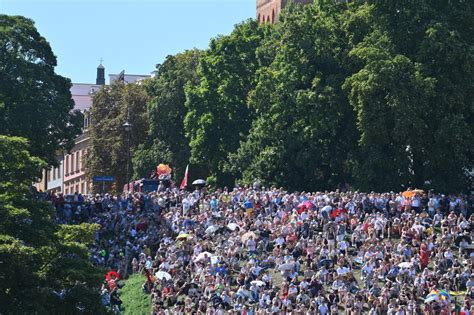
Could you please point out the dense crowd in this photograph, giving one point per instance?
(254, 250)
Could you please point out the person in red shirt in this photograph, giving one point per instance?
(424, 256)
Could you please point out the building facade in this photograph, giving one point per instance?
(75, 161)
(269, 10)
(55, 176)
(70, 176)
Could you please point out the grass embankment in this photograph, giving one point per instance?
(135, 301)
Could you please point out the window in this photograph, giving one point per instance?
(66, 164)
(83, 159)
(273, 16)
(53, 173)
(77, 161)
(72, 163)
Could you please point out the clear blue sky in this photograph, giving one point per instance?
(133, 35)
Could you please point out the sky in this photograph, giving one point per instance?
(130, 35)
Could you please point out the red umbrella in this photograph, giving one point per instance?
(305, 205)
(111, 274)
(337, 212)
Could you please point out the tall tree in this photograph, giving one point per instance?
(413, 92)
(304, 135)
(39, 259)
(166, 110)
(218, 117)
(111, 106)
(35, 102)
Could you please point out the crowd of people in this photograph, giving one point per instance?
(256, 250)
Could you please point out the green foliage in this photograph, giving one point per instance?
(37, 256)
(135, 301)
(166, 111)
(107, 152)
(413, 93)
(145, 159)
(218, 117)
(376, 95)
(304, 134)
(35, 102)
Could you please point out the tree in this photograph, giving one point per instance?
(35, 102)
(218, 117)
(107, 153)
(304, 136)
(413, 93)
(167, 142)
(39, 257)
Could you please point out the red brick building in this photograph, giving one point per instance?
(268, 10)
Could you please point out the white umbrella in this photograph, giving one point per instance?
(326, 208)
(233, 226)
(163, 275)
(202, 256)
(286, 266)
(199, 182)
(212, 229)
(405, 265)
(343, 270)
(258, 283)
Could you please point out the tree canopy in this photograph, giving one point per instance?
(39, 258)
(218, 116)
(367, 94)
(166, 141)
(107, 152)
(29, 89)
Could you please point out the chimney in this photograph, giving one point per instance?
(100, 80)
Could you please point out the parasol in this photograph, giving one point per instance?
(438, 296)
(112, 275)
(287, 266)
(163, 275)
(202, 256)
(405, 265)
(212, 229)
(233, 226)
(305, 205)
(258, 283)
(199, 182)
(183, 236)
(411, 193)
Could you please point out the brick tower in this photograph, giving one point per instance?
(268, 10)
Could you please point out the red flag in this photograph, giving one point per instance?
(184, 182)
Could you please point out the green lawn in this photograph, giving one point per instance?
(135, 301)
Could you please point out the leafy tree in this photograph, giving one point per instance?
(35, 102)
(167, 142)
(218, 117)
(39, 258)
(413, 92)
(146, 159)
(304, 135)
(107, 153)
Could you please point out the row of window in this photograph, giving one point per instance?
(267, 19)
(74, 162)
(81, 188)
(53, 174)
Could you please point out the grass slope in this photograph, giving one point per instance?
(135, 302)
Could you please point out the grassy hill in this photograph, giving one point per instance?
(135, 301)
